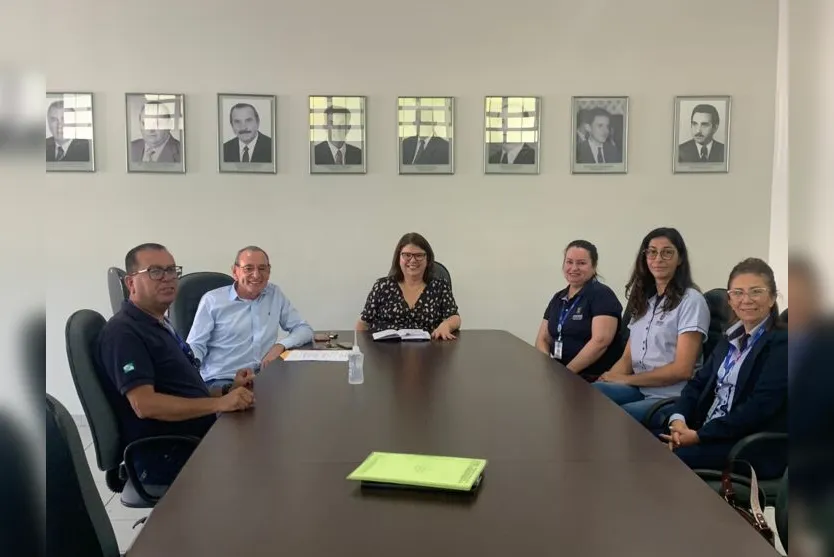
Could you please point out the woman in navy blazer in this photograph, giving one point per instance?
(743, 386)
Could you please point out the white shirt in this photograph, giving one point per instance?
(63, 144)
(595, 146)
(334, 150)
(425, 141)
(512, 153)
(251, 145)
(146, 157)
(709, 149)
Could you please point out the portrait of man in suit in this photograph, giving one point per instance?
(425, 147)
(335, 150)
(157, 125)
(703, 147)
(512, 135)
(250, 144)
(598, 147)
(62, 146)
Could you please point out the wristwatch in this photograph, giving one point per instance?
(226, 388)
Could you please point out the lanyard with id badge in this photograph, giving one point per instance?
(557, 344)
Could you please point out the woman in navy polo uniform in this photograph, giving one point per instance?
(581, 324)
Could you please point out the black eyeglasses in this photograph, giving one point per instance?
(415, 256)
(666, 253)
(157, 273)
(249, 269)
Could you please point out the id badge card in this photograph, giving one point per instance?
(557, 350)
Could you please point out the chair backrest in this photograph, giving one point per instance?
(82, 332)
(191, 289)
(77, 523)
(783, 317)
(441, 271)
(116, 287)
(719, 314)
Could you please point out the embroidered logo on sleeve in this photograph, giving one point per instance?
(128, 367)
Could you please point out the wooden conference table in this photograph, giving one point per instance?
(569, 473)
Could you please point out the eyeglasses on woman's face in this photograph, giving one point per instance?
(665, 254)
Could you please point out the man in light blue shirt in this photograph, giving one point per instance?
(237, 327)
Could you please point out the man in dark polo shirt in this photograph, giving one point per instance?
(156, 388)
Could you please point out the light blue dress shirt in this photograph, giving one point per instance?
(726, 388)
(654, 337)
(230, 333)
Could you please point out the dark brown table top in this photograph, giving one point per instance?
(569, 473)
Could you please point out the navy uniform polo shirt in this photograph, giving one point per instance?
(136, 349)
(594, 299)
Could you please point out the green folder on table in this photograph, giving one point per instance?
(420, 471)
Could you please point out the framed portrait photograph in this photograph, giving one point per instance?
(600, 135)
(511, 138)
(425, 135)
(702, 134)
(70, 141)
(155, 125)
(245, 131)
(337, 135)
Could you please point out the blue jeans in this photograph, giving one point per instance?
(211, 383)
(628, 398)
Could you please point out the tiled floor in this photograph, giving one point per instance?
(123, 517)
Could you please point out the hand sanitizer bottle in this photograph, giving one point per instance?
(356, 375)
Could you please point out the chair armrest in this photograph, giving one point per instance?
(657, 407)
(756, 439)
(149, 443)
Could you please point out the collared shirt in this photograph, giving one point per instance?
(148, 157)
(512, 152)
(251, 145)
(231, 333)
(137, 349)
(594, 299)
(417, 151)
(334, 150)
(725, 389)
(654, 337)
(708, 146)
(63, 144)
(596, 146)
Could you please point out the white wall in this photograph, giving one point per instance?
(329, 237)
(811, 24)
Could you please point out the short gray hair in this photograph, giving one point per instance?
(250, 248)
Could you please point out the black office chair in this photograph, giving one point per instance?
(756, 443)
(719, 315)
(783, 317)
(441, 271)
(77, 522)
(191, 289)
(96, 393)
(116, 288)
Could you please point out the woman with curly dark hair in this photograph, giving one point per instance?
(669, 323)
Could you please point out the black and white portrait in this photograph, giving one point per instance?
(155, 132)
(599, 135)
(337, 134)
(425, 135)
(702, 134)
(511, 143)
(246, 128)
(69, 132)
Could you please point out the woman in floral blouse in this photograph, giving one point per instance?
(411, 297)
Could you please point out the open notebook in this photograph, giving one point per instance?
(402, 334)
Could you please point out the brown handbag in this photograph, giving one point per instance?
(751, 510)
